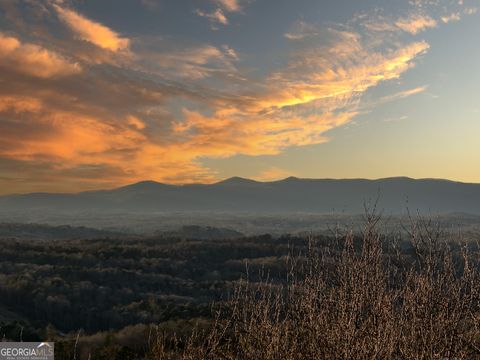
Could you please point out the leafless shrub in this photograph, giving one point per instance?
(353, 300)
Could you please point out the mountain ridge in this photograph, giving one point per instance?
(238, 179)
(238, 194)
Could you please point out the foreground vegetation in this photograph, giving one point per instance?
(345, 297)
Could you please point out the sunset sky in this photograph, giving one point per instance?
(97, 94)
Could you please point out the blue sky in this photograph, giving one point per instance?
(96, 94)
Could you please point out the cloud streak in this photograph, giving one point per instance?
(416, 23)
(404, 94)
(91, 31)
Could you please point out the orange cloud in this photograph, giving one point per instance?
(136, 122)
(33, 60)
(91, 31)
(227, 135)
(230, 5)
(19, 104)
(72, 142)
(73, 137)
(320, 74)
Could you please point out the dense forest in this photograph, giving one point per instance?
(107, 284)
(111, 296)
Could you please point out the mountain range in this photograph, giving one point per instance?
(394, 195)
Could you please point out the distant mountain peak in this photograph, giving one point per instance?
(144, 185)
(290, 179)
(236, 180)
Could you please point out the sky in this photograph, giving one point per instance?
(99, 94)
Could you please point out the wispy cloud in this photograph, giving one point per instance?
(413, 23)
(451, 18)
(315, 93)
(229, 5)
(194, 62)
(424, 15)
(301, 30)
(91, 31)
(416, 23)
(320, 74)
(471, 10)
(219, 14)
(404, 94)
(396, 119)
(216, 16)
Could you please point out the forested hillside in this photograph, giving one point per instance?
(166, 298)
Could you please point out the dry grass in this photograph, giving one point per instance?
(351, 300)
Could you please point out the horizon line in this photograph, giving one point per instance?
(240, 178)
